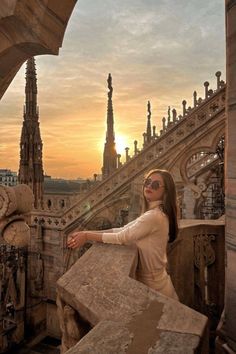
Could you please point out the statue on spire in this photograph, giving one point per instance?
(149, 129)
(109, 153)
(109, 82)
(149, 110)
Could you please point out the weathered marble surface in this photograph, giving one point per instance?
(125, 314)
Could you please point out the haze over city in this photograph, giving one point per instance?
(159, 51)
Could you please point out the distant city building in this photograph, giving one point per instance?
(8, 177)
(64, 186)
(61, 193)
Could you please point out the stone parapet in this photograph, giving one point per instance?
(197, 265)
(125, 315)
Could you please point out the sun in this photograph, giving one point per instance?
(121, 144)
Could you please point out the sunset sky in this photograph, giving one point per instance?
(157, 50)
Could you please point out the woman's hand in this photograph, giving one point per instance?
(77, 239)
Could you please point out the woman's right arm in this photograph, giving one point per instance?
(133, 231)
(124, 235)
(113, 230)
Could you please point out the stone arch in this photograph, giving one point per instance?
(184, 155)
(190, 190)
(183, 162)
(30, 28)
(195, 150)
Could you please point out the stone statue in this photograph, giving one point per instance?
(109, 81)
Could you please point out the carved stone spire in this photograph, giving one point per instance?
(109, 154)
(149, 129)
(31, 164)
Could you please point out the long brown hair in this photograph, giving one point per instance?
(169, 201)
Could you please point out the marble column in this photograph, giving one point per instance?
(228, 328)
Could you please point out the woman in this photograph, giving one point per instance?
(150, 232)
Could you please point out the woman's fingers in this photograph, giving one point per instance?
(72, 240)
(76, 240)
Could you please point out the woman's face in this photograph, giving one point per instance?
(153, 187)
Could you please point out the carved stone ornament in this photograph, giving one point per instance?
(17, 199)
(202, 116)
(69, 325)
(170, 140)
(14, 203)
(214, 107)
(16, 233)
(191, 124)
(180, 132)
(198, 189)
(203, 249)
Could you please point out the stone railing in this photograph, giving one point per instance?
(100, 301)
(125, 315)
(197, 266)
(200, 119)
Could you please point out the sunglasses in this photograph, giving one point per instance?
(155, 185)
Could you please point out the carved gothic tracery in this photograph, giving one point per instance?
(204, 254)
(12, 294)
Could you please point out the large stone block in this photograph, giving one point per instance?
(124, 312)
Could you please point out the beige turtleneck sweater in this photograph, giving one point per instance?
(150, 234)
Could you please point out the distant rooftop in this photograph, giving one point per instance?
(63, 186)
(6, 171)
